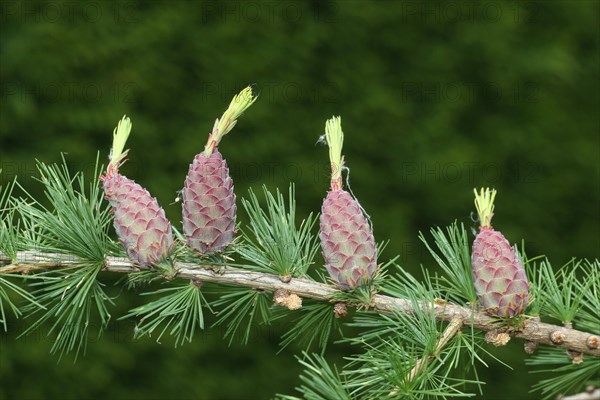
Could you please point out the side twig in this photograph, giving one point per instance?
(451, 330)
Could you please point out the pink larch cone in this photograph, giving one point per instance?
(209, 210)
(347, 239)
(498, 274)
(140, 223)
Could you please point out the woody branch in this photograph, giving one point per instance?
(532, 330)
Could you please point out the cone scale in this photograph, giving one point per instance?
(140, 222)
(498, 274)
(208, 199)
(346, 236)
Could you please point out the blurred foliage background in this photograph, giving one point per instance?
(435, 97)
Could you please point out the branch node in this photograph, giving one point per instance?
(557, 337)
(197, 282)
(217, 269)
(575, 356)
(340, 310)
(286, 278)
(497, 338)
(593, 342)
(284, 298)
(530, 347)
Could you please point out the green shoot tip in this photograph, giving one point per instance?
(484, 203)
(335, 141)
(120, 135)
(240, 103)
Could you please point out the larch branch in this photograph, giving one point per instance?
(531, 331)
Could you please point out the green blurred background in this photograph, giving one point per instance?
(435, 97)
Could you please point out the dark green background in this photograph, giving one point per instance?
(435, 97)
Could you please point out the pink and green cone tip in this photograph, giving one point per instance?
(498, 274)
(346, 235)
(139, 221)
(209, 210)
